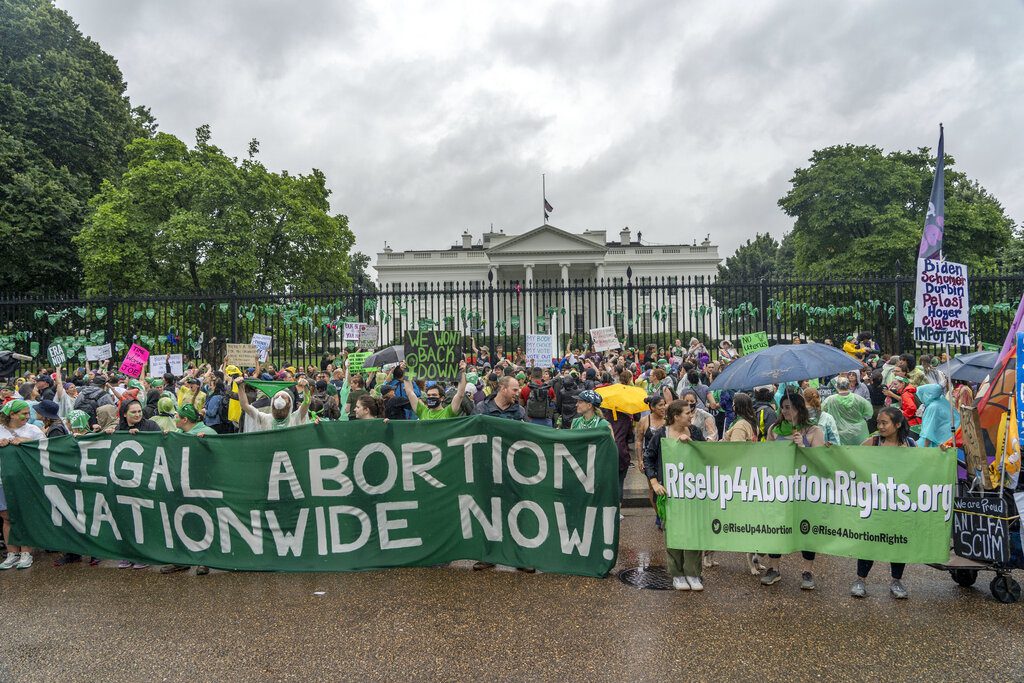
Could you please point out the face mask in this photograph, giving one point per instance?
(433, 401)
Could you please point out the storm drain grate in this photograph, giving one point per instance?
(652, 578)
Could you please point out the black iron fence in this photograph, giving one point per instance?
(306, 327)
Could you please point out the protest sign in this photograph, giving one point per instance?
(176, 364)
(369, 335)
(975, 461)
(756, 341)
(981, 527)
(101, 352)
(605, 339)
(56, 354)
(852, 501)
(157, 366)
(242, 355)
(328, 497)
(538, 349)
(262, 343)
(941, 307)
(356, 360)
(134, 361)
(351, 331)
(433, 355)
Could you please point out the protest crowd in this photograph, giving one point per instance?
(893, 401)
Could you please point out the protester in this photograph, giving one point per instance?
(430, 407)
(166, 416)
(369, 407)
(893, 431)
(15, 429)
(281, 414)
(850, 411)
(823, 420)
(794, 424)
(131, 419)
(649, 424)
(505, 402)
(700, 419)
(939, 419)
(683, 564)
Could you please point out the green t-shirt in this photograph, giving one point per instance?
(425, 413)
(593, 423)
(201, 428)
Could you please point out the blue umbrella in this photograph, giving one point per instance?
(970, 367)
(785, 363)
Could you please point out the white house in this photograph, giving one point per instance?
(546, 255)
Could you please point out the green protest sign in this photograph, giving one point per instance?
(887, 504)
(327, 497)
(356, 360)
(433, 355)
(756, 341)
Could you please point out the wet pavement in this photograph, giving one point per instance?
(101, 623)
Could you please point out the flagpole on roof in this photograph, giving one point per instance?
(544, 198)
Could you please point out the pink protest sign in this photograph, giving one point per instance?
(135, 362)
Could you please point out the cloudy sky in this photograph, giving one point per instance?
(675, 118)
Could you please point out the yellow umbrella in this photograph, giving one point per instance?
(623, 398)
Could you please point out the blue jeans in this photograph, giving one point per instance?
(546, 421)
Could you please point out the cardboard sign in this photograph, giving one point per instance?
(756, 341)
(538, 349)
(981, 527)
(135, 361)
(56, 353)
(433, 355)
(974, 447)
(351, 331)
(157, 366)
(605, 339)
(101, 352)
(369, 335)
(941, 307)
(242, 355)
(176, 364)
(262, 343)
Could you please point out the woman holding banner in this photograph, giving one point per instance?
(893, 431)
(14, 429)
(794, 424)
(684, 565)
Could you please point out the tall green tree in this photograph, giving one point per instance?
(64, 124)
(740, 273)
(190, 220)
(860, 211)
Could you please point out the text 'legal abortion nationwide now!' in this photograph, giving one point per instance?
(334, 496)
(889, 504)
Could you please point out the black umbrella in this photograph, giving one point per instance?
(785, 363)
(392, 354)
(970, 367)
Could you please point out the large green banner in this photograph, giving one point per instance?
(334, 496)
(888, 504)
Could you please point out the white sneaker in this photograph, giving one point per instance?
(695, 583)
(10, 561)
(680, 583)
(25, 562)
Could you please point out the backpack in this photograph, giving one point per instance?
(537, 405)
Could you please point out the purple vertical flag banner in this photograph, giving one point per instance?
(1019, 398)
(934, 221)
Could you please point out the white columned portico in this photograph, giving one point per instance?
(600, 272)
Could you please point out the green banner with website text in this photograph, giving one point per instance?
(887, 504)
(334, 496)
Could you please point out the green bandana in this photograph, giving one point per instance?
(14, 406)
